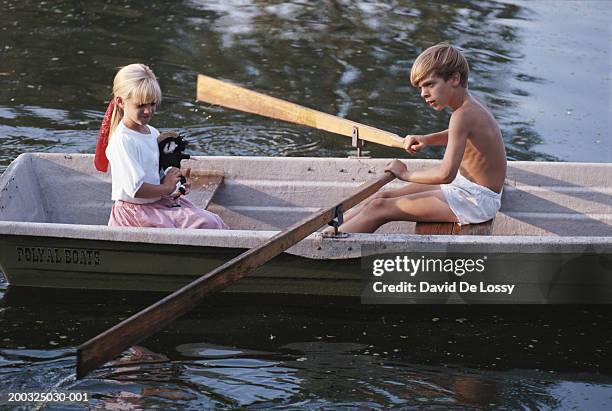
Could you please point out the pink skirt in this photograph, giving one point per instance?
(164, 213)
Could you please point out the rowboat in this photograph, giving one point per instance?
(54, 209)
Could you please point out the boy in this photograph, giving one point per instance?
(466, 186)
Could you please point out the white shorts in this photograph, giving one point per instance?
(471, 202)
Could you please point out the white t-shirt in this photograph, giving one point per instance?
(134, 160)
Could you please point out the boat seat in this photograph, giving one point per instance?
(485, 228)
(204, 185)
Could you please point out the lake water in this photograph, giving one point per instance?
(312, 353)
(544, 68)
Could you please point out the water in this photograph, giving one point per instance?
(323, 353)
(544, 68)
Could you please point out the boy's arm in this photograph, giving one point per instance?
(437, 139)
(416, 143)
(446, 171)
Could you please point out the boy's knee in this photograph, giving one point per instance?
(378, 203)
(378, 211)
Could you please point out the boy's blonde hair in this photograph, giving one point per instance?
(441, 60)
(135, 81)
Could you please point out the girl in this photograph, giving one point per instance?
(129, 143)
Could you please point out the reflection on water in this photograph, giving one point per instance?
(240, 138)
(349, 58)
(318, 375)
(288, 353)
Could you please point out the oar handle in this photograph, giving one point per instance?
(213, 91)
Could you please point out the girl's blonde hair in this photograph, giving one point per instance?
(443, 60)
(135, 81)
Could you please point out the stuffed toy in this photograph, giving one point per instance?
(171, 152)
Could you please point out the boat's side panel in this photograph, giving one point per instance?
(74, 192)
(90, 264)
(21, 198)
(540, 199)
(560, 199)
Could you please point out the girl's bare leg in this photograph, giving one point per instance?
(428, 205)
(408, 189)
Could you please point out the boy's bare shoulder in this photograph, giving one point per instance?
(472, 110)
(463, 120)
(473, 115)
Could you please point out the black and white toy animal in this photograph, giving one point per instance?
(171, 152)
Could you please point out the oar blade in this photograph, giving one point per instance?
(214, 91)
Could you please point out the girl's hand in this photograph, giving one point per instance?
(414, 143)
(398, 169)
(170, 179)
(187, 186)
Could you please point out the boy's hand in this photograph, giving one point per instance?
(414, 143)
(398, 169)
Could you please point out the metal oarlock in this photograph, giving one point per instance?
(357, 142)
(337, 222)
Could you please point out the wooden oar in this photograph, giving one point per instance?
(224, 94)
(115, 340)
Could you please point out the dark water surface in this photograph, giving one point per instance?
(542, 67)
(295, 353)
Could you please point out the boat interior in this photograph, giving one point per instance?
(271, 193)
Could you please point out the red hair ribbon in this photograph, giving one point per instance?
(100, 160)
